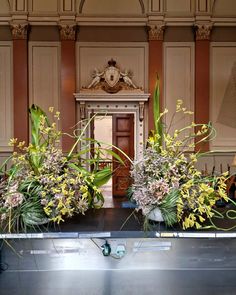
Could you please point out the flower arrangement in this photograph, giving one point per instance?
(166, 177)
(45, 185)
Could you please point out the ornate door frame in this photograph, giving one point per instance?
(118, 103)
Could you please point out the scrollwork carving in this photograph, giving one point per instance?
(156, 31)
(203, 31)
(67, 31)
(19, 31)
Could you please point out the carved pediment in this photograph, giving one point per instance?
(111, 79)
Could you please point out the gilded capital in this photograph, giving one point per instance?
(203, 31)
(156, 32)
(67, 32)
(19, 31)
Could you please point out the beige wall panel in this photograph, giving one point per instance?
(155, 5)
(178, 81)
(44, 6)
(102, 7)
(44, 74)
(224, 8)
(223, 95)
(202, 5)
(128, 56)
(67, 5)
(20, 5)
(4, 6)
(6, 103)
(178, 6)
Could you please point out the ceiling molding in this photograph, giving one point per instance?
(81, 5)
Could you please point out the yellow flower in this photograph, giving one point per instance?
(204, 128)
(201, 218)
(12, 141)
(51, 109)
(189, 112)
(21, 144)
(57, 219)
(193, 158)
(57, 115)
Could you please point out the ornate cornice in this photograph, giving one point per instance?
(19, 30)
(67, 31)
(203, 31)
(156, 31)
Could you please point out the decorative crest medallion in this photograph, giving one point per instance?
(112, 73)
(111, 79)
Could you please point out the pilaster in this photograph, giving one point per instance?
(202, 77)
(20, 80)
(155, 37)
(68, 81)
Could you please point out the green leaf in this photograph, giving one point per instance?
(102, 177)
(168, 207)
(35, 115)
(79, 169)
(156, 111)
(115, 155)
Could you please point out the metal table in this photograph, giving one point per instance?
(163, 262)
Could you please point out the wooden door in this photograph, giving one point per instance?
(123, 138)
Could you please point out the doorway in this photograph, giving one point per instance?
(118, 130)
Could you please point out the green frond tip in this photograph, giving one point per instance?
(169, 208)
(35, 115)
(156, 111)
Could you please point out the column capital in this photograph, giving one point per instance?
(67, 31)
(203, 31)
(156, 31)
(19, 30)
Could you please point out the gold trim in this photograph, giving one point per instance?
(19, 31)
(156, 32)
(67, 32)
(203, 31)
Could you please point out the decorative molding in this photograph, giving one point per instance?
(6, 96)
(19, 30)
(142, 6)
(141, 110)
(155, 6)
(82, 110)
(67, 5)
(202, 6)
(20, 5)
(140, 2)
(111, 79)
(134, 55)
(203, 31)
(156, 31)
(67, 31)
(81, 6)
(92, 102)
